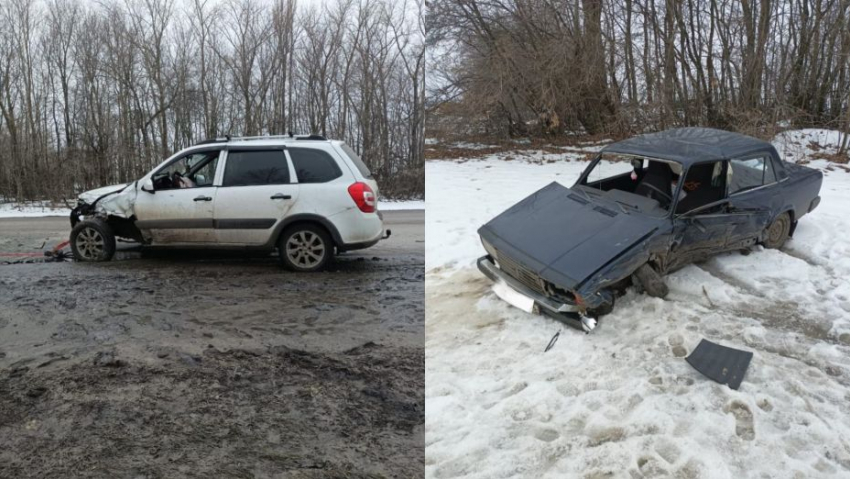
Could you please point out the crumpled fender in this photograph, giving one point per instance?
(119, 204)
(92, 195)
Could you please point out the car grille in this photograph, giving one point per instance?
(521, 274)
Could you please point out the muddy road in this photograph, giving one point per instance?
(195, 364)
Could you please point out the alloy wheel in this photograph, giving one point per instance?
(305, 249)
(90, 243)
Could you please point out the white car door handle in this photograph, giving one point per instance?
(203, 198)
(281, 196)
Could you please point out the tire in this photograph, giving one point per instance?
(777, 233)
(305, 248)
(651, 281)
(92, 241)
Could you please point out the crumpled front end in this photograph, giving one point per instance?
(119, 204)
(115, 200)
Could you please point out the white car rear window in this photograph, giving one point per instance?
(364, 170)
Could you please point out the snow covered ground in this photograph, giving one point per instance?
(30, 210)
(622, 402)
(388, 205)
(807, 144)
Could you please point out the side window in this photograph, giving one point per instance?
(364, 170)
(749, 173)
(769, 173)
(703, 185)
(194, 170)
(314, 166)
(205, 173)
(248, 168)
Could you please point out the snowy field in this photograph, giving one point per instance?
(622, 402)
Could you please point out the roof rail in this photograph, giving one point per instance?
(222, 139)
(228, 138)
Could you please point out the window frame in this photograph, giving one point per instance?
(766, 157)
(221, 157)
(681, 185)
(293, 180)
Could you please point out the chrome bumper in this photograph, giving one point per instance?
(486, 266)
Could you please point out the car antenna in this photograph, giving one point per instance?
(291, 135)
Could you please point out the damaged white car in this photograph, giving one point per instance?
(305, 196)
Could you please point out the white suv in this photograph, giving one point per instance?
(305, 196)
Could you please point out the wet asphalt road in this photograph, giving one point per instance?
(190, 363)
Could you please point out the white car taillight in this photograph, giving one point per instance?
(363, 197)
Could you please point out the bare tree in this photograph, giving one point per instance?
(98, 93)
(639, 65)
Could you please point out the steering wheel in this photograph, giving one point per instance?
(657, 192)
(175, 179)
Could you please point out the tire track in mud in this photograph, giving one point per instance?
(237, 412)
(221, 365)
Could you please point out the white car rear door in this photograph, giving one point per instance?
(256, 193)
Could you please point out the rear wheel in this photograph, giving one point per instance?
(650, 280)
(92, 240)
(305, 248)
(777, 233)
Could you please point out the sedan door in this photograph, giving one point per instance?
(700, 236)
(180, 209)
(753, 194)
(256, 194)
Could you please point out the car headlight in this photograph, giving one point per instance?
(489, 248)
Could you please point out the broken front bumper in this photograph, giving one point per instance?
(492, 271)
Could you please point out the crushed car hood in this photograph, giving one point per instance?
(561, 236)
(119, 204)
(91, 195)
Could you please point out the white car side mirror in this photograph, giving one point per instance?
(148, 186)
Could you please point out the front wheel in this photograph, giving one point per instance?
(650, 280)
(777, 233)
(305, 248)
(92, 240)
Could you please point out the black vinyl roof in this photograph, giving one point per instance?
(692, 145)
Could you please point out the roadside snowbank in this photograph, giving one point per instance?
(622, 402)
(31, 210)
(807, 144)
(390, 205)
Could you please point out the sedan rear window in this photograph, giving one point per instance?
(314, 166)
(248, 168)
(355, 158)
(750, 173)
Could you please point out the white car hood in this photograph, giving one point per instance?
(91, 195)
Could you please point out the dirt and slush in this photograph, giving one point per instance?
(198, 364)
